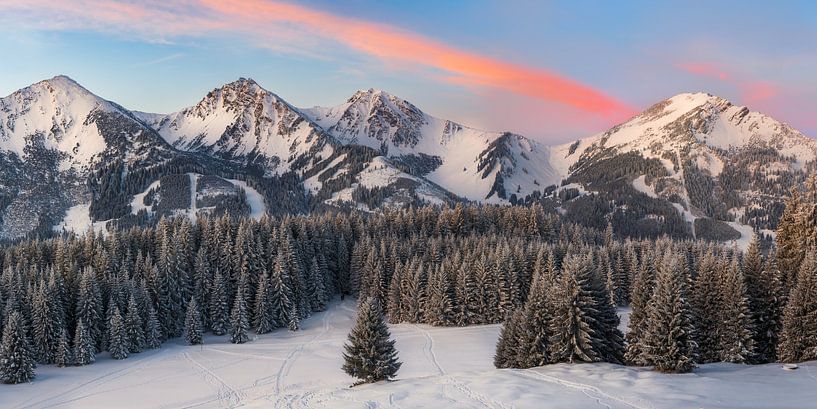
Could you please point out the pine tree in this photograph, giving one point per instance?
(507, 347)
(219, 307)
(153, 329)
(534, 340)
(280, 295)
(84, 348)
(573, 320)
(798, 339)
(89, 305)
(705, 301)
(439, 310)
(192, 323)
(44, 327)
(667, 342)
(789, 239)
(735, 333)
(133, 326)
(768, 311)
(264, 320)
(239, 322)
(16, 362)
(64, 356)
(369, 354)
(118, 344)
(639, 300)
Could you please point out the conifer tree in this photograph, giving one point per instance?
(219, 307)
(89, 305)
(667, 342)
(44, 327)
(280, 295)
(153, 329)
(571, 328)
(133, 326)
(84, 348)
(639, 301)
(705, 301)
(64, 356)
(507, 347)
(16, 362)
(768, 311)
(118, 344)
(735, 332)
(534, 340)
(798, 339)
(370, 354)
(439, 309)
(264, 320)
(239, 322)
(192, 323)
(394, 307)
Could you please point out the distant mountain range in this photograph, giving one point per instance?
(691, 166)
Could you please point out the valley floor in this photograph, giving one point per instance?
(442, 367)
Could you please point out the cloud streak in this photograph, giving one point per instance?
(751, 91)
(276, 25)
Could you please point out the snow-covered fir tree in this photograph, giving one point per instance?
(239, 321)
(192, 323)
(84, 348)
(16, 362)
(370, 355)
(118, 341)
(667, 340)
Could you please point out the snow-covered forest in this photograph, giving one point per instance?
(552, 284)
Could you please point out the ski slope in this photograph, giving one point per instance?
(442, 367)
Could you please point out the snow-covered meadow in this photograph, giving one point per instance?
(442, 367)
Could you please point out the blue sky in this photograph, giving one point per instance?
(620, 57)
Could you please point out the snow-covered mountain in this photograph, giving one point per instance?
(242, 121)
(691, 166)
(721, 167)
(474, 164)
(53, 136)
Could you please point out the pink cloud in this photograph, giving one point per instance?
(750, 91)
(276, 25)
(704, 69)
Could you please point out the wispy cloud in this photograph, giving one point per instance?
(164, 59)
(751, 91)
(287, 27)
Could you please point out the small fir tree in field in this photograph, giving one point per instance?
(370, 354)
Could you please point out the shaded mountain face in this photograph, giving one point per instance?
(54, 136)
(691, 166)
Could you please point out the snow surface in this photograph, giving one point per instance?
(254, 199)
(138, 202)
(746, 235)
(78, 220)
(442, 367)
(640, 184)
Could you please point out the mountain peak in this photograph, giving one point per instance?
(696, 99)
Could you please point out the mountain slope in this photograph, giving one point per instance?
(55, 134)
(719, 165)
(474, 164)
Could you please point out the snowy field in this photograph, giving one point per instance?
(442, 367)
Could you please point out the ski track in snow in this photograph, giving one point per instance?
(226, 395)
(582, 387)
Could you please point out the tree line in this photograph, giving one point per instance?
(555, 285)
